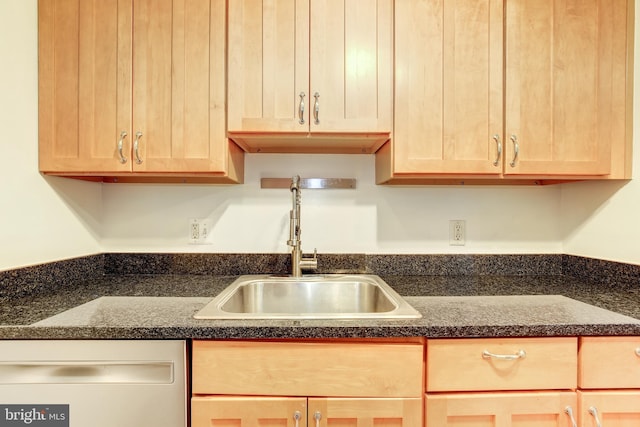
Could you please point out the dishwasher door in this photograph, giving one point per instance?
(93, 383)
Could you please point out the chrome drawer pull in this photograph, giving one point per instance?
(136, 143)
(569, 412)
(317, 416)
(296, 416)
(316, 109)
(301, 109)
(496, 138)
(516, 150)
(123, 158)
(638, 351)
(519, 355)
(594, 412)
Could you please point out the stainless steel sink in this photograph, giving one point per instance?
(332, 296)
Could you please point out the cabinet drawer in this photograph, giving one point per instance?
(308, 369)
(609, 362)
(501, 364)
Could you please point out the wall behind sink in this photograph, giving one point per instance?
(370, 219)
(46, 219)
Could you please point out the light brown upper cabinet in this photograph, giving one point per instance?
(134, 90)
(515, 89)
(310, 75)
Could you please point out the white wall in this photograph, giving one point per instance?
(602, 220)
(369, 219)
(41, 219)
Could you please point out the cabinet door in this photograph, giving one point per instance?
(294, 411)
(448, 87)
(365, 412)
(248, 411)
(351, 65)
(610, 408)
(84, 49)
(541, 409)
(561, 70)
(268, 65)
(179, 86)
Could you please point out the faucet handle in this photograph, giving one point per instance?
(295, 183)
(309, 263)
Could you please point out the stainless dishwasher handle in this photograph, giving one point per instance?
(86, 372)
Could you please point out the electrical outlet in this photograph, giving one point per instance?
(457, 232)
(199, 229)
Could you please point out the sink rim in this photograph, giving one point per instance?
(214, 311)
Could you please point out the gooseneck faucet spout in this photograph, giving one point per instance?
(298, 261)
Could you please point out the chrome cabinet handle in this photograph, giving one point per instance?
(594, 412)
(317, 416)
(520, 354)
(638, 351)
(569, 412)
(123, 135)
(516, 151)
(296, 416)
(316, 108)
(301, 108)
(135, 147)
(496, 138)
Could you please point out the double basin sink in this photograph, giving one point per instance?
(331, 296)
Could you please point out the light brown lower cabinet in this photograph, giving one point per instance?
(502, 409)
(248, 411)
(606, 408)
(502, 382)
(207, 411)
(307, 383)
(480, 382)
(609, 381)
(611, 408)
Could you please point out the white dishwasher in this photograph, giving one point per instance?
(88, 383)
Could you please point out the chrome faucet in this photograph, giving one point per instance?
(298, 261)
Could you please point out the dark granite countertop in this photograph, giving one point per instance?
(162, 307)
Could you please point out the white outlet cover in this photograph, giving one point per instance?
(199, 231)
(457, 232)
